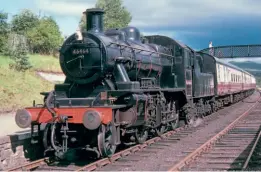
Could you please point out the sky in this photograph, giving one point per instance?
(193, 22)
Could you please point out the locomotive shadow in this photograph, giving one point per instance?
(17, 149)
(20, 144)
(80, 158)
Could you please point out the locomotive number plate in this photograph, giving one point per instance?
(80, 51)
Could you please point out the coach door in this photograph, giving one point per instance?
(188, 72)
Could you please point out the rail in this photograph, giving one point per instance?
(234, 51)
(105, 161)
(29, 166)
(207, 145)
(252, 151)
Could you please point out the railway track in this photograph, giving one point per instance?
(230, 149)
(253, 161)
(131, 154)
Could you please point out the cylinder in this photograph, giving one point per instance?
(94, 19)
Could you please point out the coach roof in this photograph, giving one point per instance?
(230, 65)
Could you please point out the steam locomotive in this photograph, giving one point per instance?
(120, 89)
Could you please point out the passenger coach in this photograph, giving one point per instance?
(228, 78)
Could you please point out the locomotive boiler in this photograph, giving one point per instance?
(120, 89)
(116, 52)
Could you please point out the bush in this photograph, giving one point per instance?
(3, 31)
(19, 54)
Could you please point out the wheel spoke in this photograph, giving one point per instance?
(106, 149)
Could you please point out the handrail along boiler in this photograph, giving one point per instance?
(120, 89)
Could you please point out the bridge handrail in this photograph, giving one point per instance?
(233, 51)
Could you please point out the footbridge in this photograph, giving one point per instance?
(235, 51)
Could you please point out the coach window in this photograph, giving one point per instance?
(225, 76)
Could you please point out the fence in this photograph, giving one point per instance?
(234, 51)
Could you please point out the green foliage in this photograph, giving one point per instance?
(20, 57)
(45, 37)
(51, 64)
(23, 22)
(3, 31)
(82, 23)
(19, 89)
(42, 34)
(3, 22)
(13, 42)
(116, 15)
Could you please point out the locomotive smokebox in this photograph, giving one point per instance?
(94, 18)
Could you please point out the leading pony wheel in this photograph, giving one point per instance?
(105, 147)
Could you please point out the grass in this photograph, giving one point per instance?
(18, 89)
(45, 63)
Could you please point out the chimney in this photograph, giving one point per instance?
(94, 17)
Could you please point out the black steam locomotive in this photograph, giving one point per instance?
(121, 89)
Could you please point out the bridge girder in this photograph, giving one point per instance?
(235, 51)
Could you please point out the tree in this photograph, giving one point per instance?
(3, 31)
(82, 23)
(23, 22)
(116, 15)
(21, 60)
(45, 37)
